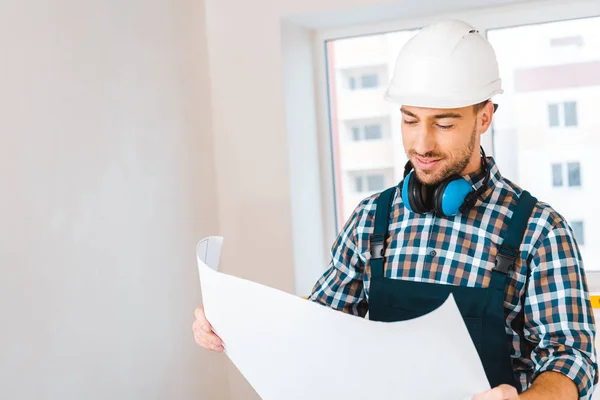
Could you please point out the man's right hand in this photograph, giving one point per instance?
(203, 333)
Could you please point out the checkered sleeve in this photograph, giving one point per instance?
(341, 285)
(559, 318)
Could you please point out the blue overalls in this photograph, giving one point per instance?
(481, 308)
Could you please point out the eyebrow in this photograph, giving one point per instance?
(438, 116)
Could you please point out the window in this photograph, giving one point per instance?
(578, 231)
(550, 80)
(352, 83)
(557, 172)
(375, 182)
(368, 182)
(571, 113)
(553, 115)
(358, 184)
(562, 114)
(367, 77)
(368, 129)
(573, 169)
(372, 132)
(369, 81)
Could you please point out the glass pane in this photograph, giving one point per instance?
(571, 113)
(574, 174)
(352, 83)
(557, 177)
(372, 132)
(375, 182)
(358, 184)
(578, 231)
(542, 66)
(369, 81)
(371, 60)
(553, 114)
(355, 133)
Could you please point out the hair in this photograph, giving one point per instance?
(477, 107)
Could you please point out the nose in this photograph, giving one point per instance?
(424, 139)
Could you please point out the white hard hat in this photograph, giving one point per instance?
(446, 65)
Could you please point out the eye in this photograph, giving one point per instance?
(445, 126)
(410, 122)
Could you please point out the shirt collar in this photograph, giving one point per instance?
(477, 178)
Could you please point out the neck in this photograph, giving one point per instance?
(474, 164)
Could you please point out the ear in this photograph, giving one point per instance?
(484, 117)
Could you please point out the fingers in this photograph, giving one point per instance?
(208, 340)
(502, 392)
(203, 334)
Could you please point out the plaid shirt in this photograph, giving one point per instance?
(559, 328)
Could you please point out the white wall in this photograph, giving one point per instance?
(107, 182)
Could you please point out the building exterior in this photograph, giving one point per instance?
(548, 135)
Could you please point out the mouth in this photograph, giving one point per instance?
(426, 163)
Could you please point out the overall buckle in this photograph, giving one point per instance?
(504, 263)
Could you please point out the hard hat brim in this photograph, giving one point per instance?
(427, 101)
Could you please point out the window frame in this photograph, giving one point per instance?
(485, 18)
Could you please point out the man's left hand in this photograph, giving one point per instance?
(502, 392)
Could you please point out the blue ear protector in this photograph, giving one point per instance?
(451, 196)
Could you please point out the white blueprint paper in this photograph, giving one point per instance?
(289, 348)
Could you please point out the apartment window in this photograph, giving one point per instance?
(369, 81)
(375, 182)
(369, 182)
(358, 184)
(553, 115)
(562, 114)
(373, 132)
(574, 174)
(368, 129)
(578, 232)
(571, 113)
(352, 83)
(369, 77)
(557, 175)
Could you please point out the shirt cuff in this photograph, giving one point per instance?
(575, 368)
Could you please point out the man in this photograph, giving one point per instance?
(455, 225)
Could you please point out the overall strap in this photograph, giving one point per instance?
(508, 251)
(383, 205)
